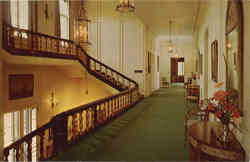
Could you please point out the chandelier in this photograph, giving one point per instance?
(81, 25)
(170, 45)
(126, 6)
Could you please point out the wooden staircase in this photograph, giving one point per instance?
(69, 127)
(27, 43)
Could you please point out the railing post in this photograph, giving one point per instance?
(17, 153)
(41, 146)
(29, 142)
(60, 133)
(6, 155)
(95, 116)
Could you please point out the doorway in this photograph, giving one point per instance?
(177, 70)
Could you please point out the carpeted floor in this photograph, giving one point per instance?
(152, 130)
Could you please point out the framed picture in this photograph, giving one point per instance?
(20, 86)
(200, 63)
(214, 60)
(149, 62)
(158, 63)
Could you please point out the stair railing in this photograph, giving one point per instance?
(27, 43)
(68, 127)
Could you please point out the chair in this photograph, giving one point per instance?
(192, 116)
(192, 95)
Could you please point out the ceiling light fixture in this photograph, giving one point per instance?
(126, 6)
(170, 45)
(81, 26)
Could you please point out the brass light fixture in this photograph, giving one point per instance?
(126, 6)
(81, 26)
(170, 45)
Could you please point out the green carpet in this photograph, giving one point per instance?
(152, 130)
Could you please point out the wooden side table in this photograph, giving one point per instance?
(204, 145)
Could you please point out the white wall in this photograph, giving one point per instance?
(216, 30)
(215, 12)
(185, 48)
(119, 40)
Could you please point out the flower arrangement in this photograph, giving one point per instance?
(222, 106)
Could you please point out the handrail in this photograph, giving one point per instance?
(70, 126)
(100, 111)
(114, 70)
(23, 42)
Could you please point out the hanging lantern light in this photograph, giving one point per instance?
(81, 25)
(126, 6)
(170, 45)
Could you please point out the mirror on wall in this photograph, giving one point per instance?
(234, 51)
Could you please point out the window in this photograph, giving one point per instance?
(19, 11)
(11, 130)
(180, 68)
(29, 121)
(64, 18)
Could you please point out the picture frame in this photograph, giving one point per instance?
(149, 62)
(201, 63)
(214, 60)
(158, 63)
(20, 86)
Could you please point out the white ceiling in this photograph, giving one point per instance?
(157, 13)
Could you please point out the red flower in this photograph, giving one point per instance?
(229, 107)
(236, 114)
(218, 114)
(220, 95)
(210, 107)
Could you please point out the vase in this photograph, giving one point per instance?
(224, 137)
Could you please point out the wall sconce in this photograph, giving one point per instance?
(53, 100)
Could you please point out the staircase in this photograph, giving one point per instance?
(27, 43)
(69, 127)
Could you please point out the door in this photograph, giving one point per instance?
(177, 70)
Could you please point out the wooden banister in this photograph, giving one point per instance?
(28, 43)
(68, 127)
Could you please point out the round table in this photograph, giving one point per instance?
(205, 146)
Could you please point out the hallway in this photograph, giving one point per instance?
(152, 130)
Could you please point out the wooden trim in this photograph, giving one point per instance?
(240, 25)
(128, 97)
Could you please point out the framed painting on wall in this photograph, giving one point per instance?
(214, 60)
(201, 63)
(149, 62)
(158, 63)
(20, 86)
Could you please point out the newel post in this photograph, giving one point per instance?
(60, 133)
